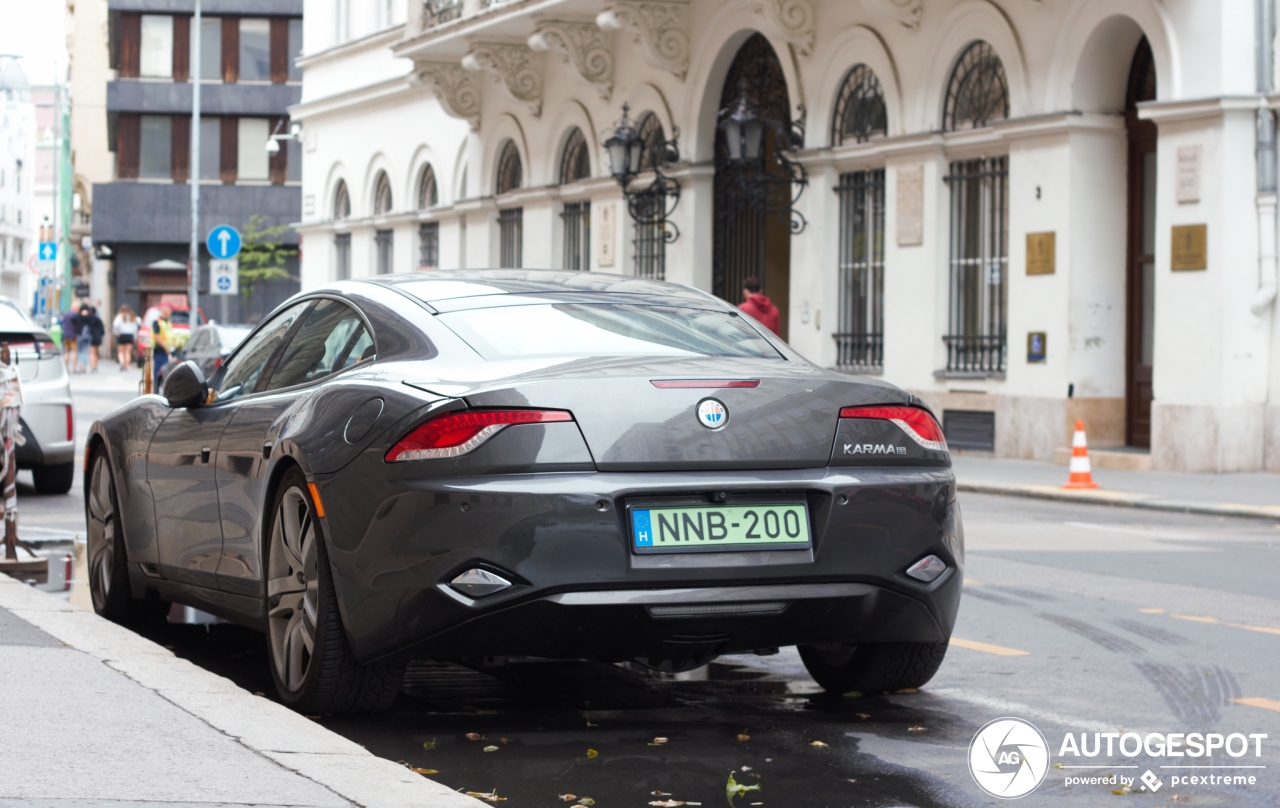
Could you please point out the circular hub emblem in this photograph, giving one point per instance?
(1008, 758)
(712, 414)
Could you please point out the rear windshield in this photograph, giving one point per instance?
(587, 329)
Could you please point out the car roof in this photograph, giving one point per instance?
(450, 284)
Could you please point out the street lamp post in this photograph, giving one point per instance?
(744, 131)
(654, 204)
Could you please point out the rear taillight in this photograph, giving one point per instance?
(71, 424)
(917, 423)
(46, 348)
(456, 433)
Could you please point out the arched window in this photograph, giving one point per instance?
(381, 195)
(978, 92)
(651, 133)
(428, 193)
(510, 170)
(341, 202)
(860, 111)
(575, 161)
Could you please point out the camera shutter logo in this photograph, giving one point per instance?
(1008, 758)
(712, 414)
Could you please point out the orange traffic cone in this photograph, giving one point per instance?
(1081, 474)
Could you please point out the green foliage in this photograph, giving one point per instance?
(262, 256)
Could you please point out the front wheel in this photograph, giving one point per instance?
(108, 557)
(873, 667)
(311, 661)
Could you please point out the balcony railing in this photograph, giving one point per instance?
(980, 355)
(859, 351)
(439, 12)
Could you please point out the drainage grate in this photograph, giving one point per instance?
(970, 429)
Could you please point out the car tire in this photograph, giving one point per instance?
(106, 554)
(54, 479)
(873, 667)
(311, 662)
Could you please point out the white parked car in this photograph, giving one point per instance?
(48, 421)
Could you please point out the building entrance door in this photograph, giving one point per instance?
(750, 243)
(1141, 259)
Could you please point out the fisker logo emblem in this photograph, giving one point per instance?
(712, 414)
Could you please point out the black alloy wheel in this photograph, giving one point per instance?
(311, 661)
(107, 556)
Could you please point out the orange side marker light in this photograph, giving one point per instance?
(315, 497)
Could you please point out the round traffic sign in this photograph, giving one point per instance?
(224, 283)
(223, 242)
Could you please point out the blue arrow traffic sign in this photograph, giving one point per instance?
(223, 242)
(49, 251)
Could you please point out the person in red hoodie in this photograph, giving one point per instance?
(758, 305)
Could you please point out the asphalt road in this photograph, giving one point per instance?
(1079, 619)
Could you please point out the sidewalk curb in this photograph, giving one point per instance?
(271, 730)
(1125, 499)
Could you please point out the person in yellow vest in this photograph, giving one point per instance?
(161, 341)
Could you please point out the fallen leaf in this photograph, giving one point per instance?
(659, 741)
(917, 729)
(475, 736)
(906, 691)
(757, 803)
(568, 797)
(491, 796)
(589, 724)
(818, 744)
(660, 793)
(666, 803)
(424, 772)
(742, 736)
(591, 753)
(734, 789)
(853, 694)
(1059, 766)
(504, 741)
(491, 749)
(430, 745)
(586, 801)
(746, 768)
(863, 716)
(853, 781)
(1122, 790)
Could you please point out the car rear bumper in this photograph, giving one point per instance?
(579, 590)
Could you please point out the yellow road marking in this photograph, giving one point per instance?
(1152, 611)
(972, 582)
(987, 648)
(1262, 629)
(1266, 704)
(1195, 619)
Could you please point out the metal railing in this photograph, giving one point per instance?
(577, 234)
(511, 238)
(976, 354)
(439, 12)
(859, 351)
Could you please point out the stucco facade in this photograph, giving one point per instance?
(389, 91)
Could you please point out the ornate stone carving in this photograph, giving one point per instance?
(515, 66)
(905, 12)
(790, 19)
(582, 44)
(657, 29)
(452, 85)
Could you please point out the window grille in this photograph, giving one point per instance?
(860, 339)
(429, 245)
(510, 170)
(978, 92)
(383, 241)
(511, 238)
(342, 256)
(976, 342)
(428, 193)
(652, 134)
(382, 195)
(577, 235)
(575, 161)
(341, 202)
(860, 111)
(650, 240)
(438, 12)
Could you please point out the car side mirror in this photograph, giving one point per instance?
(185, 386)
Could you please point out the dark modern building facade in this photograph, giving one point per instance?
(248, 79)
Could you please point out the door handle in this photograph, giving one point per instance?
(204, 455)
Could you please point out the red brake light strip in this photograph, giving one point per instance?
(670, 384)
(454, 434)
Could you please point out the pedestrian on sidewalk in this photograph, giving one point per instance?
(758, 305)
(97, 330)
(84, 337)
(161, 341)
(70, 331)
(125, 329)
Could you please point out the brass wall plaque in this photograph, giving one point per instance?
(1040, 253)
(1037, 346)
(1190, 247)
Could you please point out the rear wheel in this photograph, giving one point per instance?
(311, 661)
(54, 479)
(873, 667)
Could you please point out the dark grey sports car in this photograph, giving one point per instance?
(523, 463)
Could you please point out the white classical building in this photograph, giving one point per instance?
(1024, 211)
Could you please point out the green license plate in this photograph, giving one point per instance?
(710, 528)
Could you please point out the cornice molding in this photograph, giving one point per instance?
(792, 20)
(453, 87)
(906, 13)
(515, 66)
(584, 45)
(658, 29)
